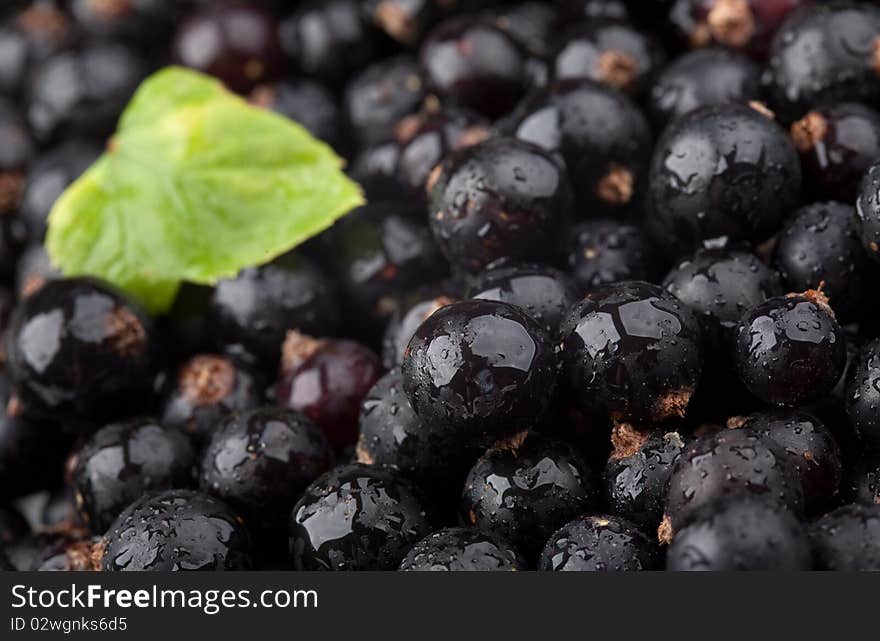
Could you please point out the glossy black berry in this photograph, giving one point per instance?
(49, 176)
(864, 481)
(473, 64)
(308, 103)
(357, 517)
(533, 24)
(729, 463)
(412, 311)
(28, 36)
(868, 209)
(790, 349)
(848, 539)
(606, 251)
(525, 487)
(377, 253)
(459, 549)
(500, 199)
(482, 369)
(863, 396)
(720, 285)
(602, 136)
(425, 138)
(391, 433)
(327, 39)
(837, 144)
(702, 78)
(177, 530)
(79, 346)
(740, 534)
(542, 292)
(611, 52)
(820, 245)
(205, 389)
(632, 351)
(599, 543)
(259, 306)
(122, 461)
(726, 172)
(811, 448)
(378, 97)
(83, 91)
(234, 41)
(634, 481)
(261, 461)
(326, 380)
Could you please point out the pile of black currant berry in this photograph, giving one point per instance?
(608, 306)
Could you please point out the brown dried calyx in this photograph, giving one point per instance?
(512, 443)
(207, 379)
(736, 422)
(626, 440)
(731, 22)
(44, 18)
(263, 96)
(762, 109)
(11, 191)
(110, 10)
(84, 556)
(818, 297)
(809, 131)
(362, 454)
(665, 533)
(395, 21)
(673, 404)
(616, 187)
(875, 55)
(124, 332)
(297, 349)
(617, 69)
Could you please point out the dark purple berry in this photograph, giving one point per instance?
(460, 549)
(599, 543)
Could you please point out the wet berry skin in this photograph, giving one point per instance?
(702, 78)
(740, 534)
(525, 487)
(412, 310)
(602, 136)
(868, 210)
(848, 539)
(233, 41)
(122, 461)
(259, 306)
(599, 543)
(459, 549)
(632, 351)
(326, 380)
(391, 433)
(261, 461)
(79, 347)
(605, 251)
(820, 244)
(500, 199)
(177, 530)
(611, 52)
(720, 285)
(723, 172)
(482, 369)
(863, 396)
(473, 64)
(357, 517)
(824, 54)
(837, 144)
(790, 349)
(542, 292)
(812, 449)
(636, 475)
(205, 390)
(730, 463)
(863, 484)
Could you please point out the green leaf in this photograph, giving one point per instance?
(195, 185)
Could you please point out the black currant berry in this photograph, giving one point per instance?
(177, 530)
(605, 251)
(632, 351)
(525, 487)
(599, 543)
(78, 346)
(307, 103)
(533, 24)
(146, 22)
(864, 481)
(411, 312)
(725, 172)
(374, 168)
(481, 369)
(790, 349)
(863, 396)
(122, 461)
(740, 534)
(261, 461)
(500, 199)
(848, 539)
(729, 463)
(459, 549)
(356, 517)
